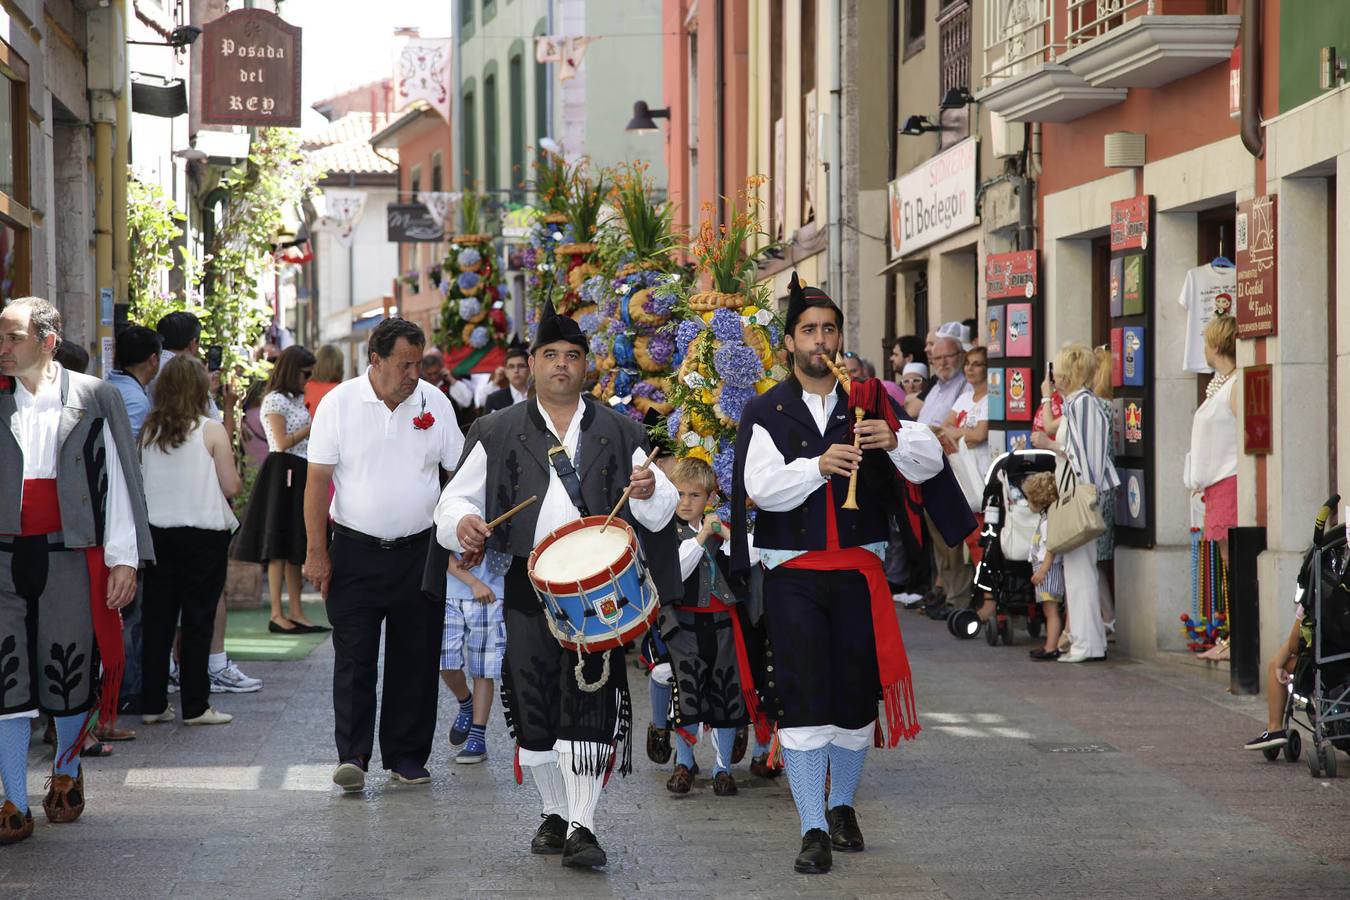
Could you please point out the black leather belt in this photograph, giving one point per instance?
(379, 543)
(53, 542)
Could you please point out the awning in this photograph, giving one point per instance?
(465, 360)
(902, 264)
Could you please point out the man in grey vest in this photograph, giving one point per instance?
(577, 456)
(73, 531)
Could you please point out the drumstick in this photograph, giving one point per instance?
(512, 511)
(626, 491)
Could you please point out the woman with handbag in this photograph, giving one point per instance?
(1084, 440)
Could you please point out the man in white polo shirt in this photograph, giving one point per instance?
(382, 441)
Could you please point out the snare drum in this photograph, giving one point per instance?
(595, 587)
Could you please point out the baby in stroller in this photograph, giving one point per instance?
(1003, 577)
(1311, 669)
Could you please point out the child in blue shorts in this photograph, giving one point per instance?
(473, 644)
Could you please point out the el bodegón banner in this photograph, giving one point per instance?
(934, 200)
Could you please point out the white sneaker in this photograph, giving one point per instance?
(166, 716)
(210, 717)
(230, 680)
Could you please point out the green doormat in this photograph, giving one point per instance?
(247, 638)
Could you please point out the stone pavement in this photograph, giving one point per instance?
(978, 807)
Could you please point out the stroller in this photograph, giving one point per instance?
(1320, 687)
(1004, 572)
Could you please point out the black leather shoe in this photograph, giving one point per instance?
(740, 745)
(844, 832)
(658, 745)
(582, 850)
(815, 857)
(549, 839)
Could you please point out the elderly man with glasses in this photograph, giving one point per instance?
(954, 574)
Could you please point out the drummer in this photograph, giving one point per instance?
(577, 456)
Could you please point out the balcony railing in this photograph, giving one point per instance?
(954, 46)
(1089, 19)
(1018, 37)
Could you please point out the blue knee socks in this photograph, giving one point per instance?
(14, 736)
(68, 730)
(845, 770)
(723, 738)
(660, 703)
(806, 778)
(684, 751)
(761, 747)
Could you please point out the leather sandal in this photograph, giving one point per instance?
(14, 825)
(740, 745)
(65, 798)
(680, 781)
(724, 785)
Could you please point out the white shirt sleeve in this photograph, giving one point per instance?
(917, 454)
(463, 496)
(119, 541)
(773, 484)
(461, 392)
(654, 513)
(323, 434)
(691, 551)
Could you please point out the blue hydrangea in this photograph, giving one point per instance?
(734, 398)
(737, 364)
(469, 258)
(673, 423)
(478, 338)
(467, 281)
(469, 307)
(726, 325)
(598, 345)
(589, 322)
(661, 300)
(623, 351)
(594, 289)
(723, 466)
(624, 379)
(685, 334)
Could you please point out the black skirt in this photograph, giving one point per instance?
(274, 523)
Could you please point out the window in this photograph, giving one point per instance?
(807, 102)
(695, 214)
(776, 174)
(489, 10)
(437, 180)
(465, 19)
(915, 26)
(15, 218)
(516, 74)
(953, 67)
(541, 110)
(491, 159)
(414, 181)
(469, 132)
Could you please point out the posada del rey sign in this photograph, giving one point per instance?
(251, 70)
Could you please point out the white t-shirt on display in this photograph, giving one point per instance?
(1204, 287)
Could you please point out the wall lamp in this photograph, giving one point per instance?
(956, 98)
(180, 37)
(917, 125)
(644, 118)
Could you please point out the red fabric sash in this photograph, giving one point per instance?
(748, 691)
(40, 514)
(897, 683)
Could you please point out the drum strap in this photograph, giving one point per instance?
(567, 474)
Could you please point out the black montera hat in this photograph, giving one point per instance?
(801, 298)
(554, 328)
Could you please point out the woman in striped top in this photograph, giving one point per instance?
(1084, 438)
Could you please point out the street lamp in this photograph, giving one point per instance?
(956, 98)
(644, 118)
(917, 125)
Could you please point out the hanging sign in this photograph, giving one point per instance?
(934, 200)
(1257, 426)
(251, 70)
(1257, 297)
(412, 223)
(1129, 223)
(1010, 275)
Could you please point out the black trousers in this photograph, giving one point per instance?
(371, 587)
(540, 696)
(821, 665)
(186, 580)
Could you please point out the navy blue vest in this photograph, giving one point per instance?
(782, 413)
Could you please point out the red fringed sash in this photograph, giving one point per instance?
(40, 514)
(897, 683)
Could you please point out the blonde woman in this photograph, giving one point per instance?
(1214, 437)
(1084, 439)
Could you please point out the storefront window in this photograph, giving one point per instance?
(14, 212)
(7, 137)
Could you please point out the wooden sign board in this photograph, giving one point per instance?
(1257, 288)
(1010, 275)
(1257, 427)
(1129, 223)
(251, 70)
(412, 223)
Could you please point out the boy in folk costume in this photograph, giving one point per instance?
(577, 457)
(710, 669)
(73, 531)
(834, 645)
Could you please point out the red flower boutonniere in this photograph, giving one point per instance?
(5, 383)
(425, 420)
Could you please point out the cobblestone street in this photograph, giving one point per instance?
(979, 806)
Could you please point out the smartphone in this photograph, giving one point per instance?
(215, 356)
(1050, 372)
